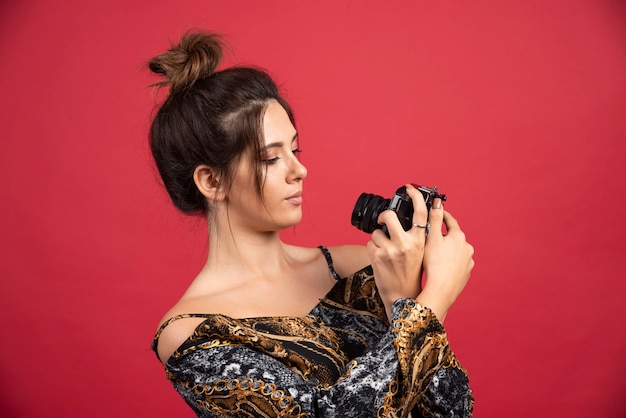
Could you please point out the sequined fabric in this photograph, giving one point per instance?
(344, 359)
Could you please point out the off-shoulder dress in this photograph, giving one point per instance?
(344, 359)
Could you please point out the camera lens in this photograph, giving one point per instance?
(366, 210)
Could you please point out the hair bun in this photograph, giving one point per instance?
(196, 56)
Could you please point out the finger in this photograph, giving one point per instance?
(372, 249)
(379, 237)
(420, 212)
(435, 217)
(451, 223)
(390, 219)
(371, 246)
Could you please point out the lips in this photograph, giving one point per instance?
(295, 199)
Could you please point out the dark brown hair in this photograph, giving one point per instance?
(208, 118)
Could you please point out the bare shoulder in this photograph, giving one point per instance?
(177, 329)
(348, 259)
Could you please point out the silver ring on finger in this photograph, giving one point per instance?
(426, 227)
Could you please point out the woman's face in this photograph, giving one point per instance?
(281, 203)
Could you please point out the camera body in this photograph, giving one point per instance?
(368, 206)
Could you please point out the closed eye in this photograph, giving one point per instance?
(271, 161)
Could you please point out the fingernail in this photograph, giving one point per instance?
(437, 203)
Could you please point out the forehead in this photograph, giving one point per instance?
(277, 128)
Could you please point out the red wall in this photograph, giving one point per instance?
(514, 108)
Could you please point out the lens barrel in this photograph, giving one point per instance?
(366, 210)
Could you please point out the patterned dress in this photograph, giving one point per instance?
(343, 359)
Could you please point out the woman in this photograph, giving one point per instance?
(270, 329)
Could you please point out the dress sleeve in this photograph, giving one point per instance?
(410, 370)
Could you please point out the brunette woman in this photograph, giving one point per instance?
(270, 329)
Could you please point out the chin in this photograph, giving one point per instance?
(291, 222)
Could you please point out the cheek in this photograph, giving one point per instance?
(270, 187)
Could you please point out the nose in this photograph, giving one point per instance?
(297, 170)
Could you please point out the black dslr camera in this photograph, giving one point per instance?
(369, 206)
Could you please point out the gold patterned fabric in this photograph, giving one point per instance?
(344, 359)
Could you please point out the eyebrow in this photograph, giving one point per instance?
(278, 144)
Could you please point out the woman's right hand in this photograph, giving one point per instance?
(397, 260)
(448, 262)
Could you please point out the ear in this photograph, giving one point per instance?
(208, 182)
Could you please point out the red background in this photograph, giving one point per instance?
(514, 108)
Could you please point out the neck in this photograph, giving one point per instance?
(246, 253)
